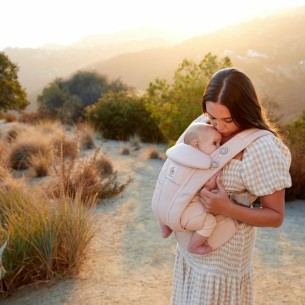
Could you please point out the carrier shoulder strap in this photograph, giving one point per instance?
(230, 149)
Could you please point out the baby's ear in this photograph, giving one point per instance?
(195, 144)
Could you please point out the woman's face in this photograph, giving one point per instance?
(221, 119)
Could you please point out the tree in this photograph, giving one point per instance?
(67, 99)
(53, 98)
(12, 95)
(176, 105)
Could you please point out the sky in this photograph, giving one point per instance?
(33, 23)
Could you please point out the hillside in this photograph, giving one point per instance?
(271, 50)
(40, 66)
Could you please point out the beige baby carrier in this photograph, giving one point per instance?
(173, 191)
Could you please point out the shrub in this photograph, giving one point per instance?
(103, 165)
(125, 151)
(9, 117)
(174, 105)
(47, 239)
(66, 99)
(50, 127)
(40, 164)
(135, 142)
(33, 117)
(85, 134)
(121, 115)
(152, 153)
(65, 145)
(25, 148)
(296, 143)
(93, 178)
(14, 132)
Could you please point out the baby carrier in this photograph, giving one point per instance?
(174, 190)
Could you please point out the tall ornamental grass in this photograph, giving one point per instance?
(47, 238)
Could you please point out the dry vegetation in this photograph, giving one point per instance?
(51, 179)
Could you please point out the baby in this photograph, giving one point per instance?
(207, 139)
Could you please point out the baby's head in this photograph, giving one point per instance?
(203, 137)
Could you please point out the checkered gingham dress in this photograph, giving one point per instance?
(224, 276)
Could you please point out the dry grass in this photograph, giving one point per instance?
(47, 238)
(65, 145)
(86, 135)
(93, 177)
(50, 222)
(103, 164)
(4, 149)
(153, 153)
(135, 142)
(125, 151)
(40, 164)
(48, 127)
(8, 117)
(13, 132)
(26, 147)
(32, 118)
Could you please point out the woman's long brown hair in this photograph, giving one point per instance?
(233, 89)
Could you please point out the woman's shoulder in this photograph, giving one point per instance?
(265, 165)
(267, 146)
(268, 142)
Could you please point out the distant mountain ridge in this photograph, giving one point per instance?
(270, 50)
(40, 66)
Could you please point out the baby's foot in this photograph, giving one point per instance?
(166, 231)
(204, 249)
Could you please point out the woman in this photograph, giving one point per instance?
(224, 276)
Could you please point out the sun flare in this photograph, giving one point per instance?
(33, 23)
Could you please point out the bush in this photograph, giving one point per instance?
(47, 239)
(65, 145)
(66, 99)
(9, 117)
(153, 153)
(40, 164)
(25, 148)
(121, 115)
(93, 178)
(14, 132)
(32, 117)
(176, 104)
(296, 143)
(85, 134)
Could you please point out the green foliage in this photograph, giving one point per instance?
(52, 99)
(12, 95)
(296, 142)
(174, 106)
(66, 99)
(121, 115)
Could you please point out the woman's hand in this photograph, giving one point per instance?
(271, 214)
(216, 202)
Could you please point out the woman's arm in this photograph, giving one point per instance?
(271, 214)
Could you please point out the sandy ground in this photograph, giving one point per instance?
(129, 263)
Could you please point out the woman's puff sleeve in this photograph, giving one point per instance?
(266, 164)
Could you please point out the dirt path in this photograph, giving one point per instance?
(129, 264)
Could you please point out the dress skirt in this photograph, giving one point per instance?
(222, 277)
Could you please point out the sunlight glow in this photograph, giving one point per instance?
(33, 23)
